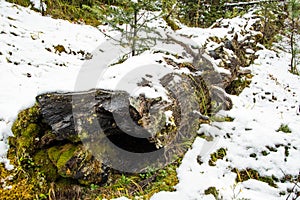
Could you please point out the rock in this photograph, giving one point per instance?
(54, 157)
(26, 129)
(45, 165)
(228, 45)
(214, 54)
(58, 115)
(74, 161)
(59, 48)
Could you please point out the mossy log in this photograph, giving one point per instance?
(78, 135)
(103, 120)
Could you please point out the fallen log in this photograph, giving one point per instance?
(83, 135)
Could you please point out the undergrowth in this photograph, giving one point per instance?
(30, 183)
(140, 185)
(246, 174)
(36, 177)
(219, 154)
(73, 11)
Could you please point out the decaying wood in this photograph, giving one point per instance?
(134, 124)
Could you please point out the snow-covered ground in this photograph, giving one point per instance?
(28, 68)
(271, 100)
(30, 65)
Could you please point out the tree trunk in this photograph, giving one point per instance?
(293, 68)
(134, 39)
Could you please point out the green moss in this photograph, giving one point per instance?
(165, 180)
(140, 185)
(265, 153)
(26, 180)
(284, 128)
(75, 11)
(21, 187)
(54, 154)
(253, 155)
(26, 129)
(25, 142)
(29, 179)
(45, 165)
(171, 23)
(24, 3)
(216, 118)
(213, 191)
(26, 117)
(219, 154)
(238, 85)
(244, 175)
(32, 130)
(60, 156)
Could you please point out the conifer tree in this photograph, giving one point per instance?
(201, 13)
(135, 16)
(294, 13)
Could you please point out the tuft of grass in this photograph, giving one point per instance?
(73, 11)
(219, 154)
(238, 85)
(21, 183)
(216, 118)
(244, 175)
(213, 191)
(24, 3)
(265, 153)
(140, 185)
(253, 155)
(284, 128)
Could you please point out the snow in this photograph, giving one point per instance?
(27, 69)
(37, 5)
(272, 99)
(32, 69)
(126, 76)
(169, 115)
(134, 1)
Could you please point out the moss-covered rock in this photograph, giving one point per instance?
(60, 155)
(45, 165)
(74, 161)
(26, 129)
(26, 117)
